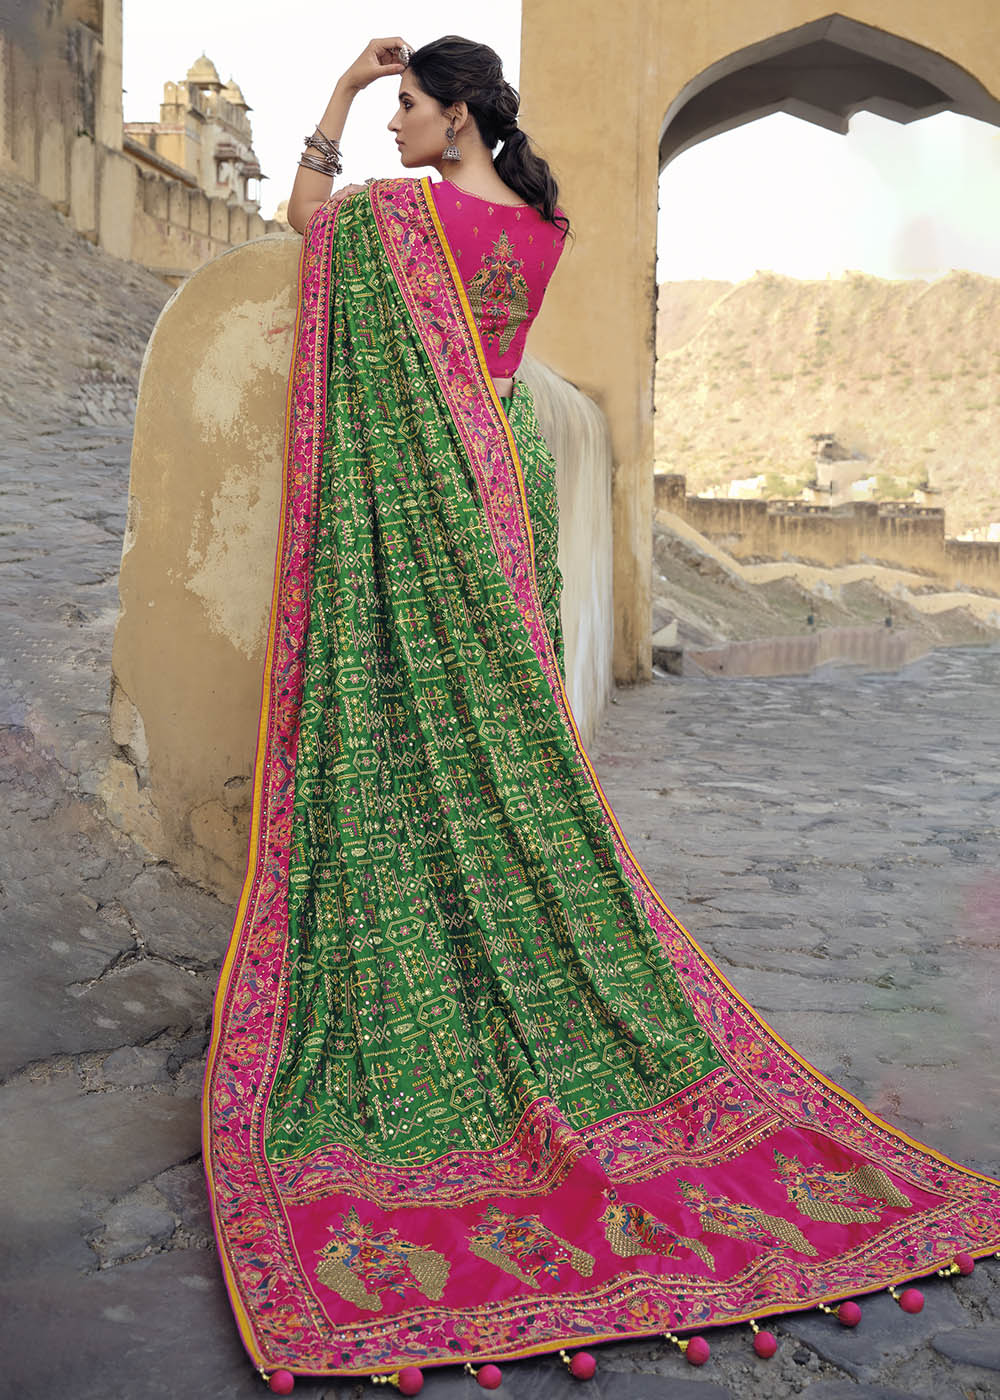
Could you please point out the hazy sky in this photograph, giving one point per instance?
(887, 199)
(780, 193)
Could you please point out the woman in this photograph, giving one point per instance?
(473, 1093)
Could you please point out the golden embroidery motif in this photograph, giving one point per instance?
(498, 293)
(510, 1241)
(359, 1260)
(833, 1196)
(630, 1230)
(721, 1216)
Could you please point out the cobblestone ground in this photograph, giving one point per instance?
(832, 842)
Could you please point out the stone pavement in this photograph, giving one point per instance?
(833, 842)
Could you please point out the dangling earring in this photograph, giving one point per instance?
(451, 151)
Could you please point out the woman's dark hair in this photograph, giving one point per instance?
(453, 69)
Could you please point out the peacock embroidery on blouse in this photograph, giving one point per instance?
(498, 293)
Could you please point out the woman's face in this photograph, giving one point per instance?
(418, 124)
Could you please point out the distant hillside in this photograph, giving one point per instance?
(907, 373)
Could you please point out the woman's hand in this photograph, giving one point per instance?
(340, 194)
(312, 187)
(380, 58)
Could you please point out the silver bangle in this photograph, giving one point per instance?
(328, 161)
(323, 143)
(321, 166)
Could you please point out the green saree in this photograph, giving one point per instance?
(473, 1093)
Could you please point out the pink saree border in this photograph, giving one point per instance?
(243, 1021)
(707, 1121)
(281, 1321)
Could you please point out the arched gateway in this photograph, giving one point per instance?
(614, 93)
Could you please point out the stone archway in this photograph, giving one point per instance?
(596, 116)
(823, 72)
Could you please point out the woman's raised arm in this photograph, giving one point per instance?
(312, 187)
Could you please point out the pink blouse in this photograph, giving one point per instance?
(505, 254)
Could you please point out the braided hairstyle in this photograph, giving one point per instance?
(453, 69)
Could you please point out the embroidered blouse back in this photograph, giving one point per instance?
(505, 255)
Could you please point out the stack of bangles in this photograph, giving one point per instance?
(328, 162)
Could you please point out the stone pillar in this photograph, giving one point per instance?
(670, 491)
(178, 205)
(118, 192)
(109, 98)
(6, 134)
(238, 221)
(52, 162)
(218, 221)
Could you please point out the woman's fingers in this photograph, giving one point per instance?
(390, 46)
(340, 194)
(387, 53)
(381, 57)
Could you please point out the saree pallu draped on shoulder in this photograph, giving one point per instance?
(473, 1092)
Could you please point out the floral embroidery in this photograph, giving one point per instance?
(498, 293)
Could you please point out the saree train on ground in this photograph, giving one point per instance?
(473, 1093)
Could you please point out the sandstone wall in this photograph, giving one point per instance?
(61, 131)
(53, 108)
(198, 557)
(175, 228)
(911, 537)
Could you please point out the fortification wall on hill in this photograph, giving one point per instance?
(176, 229)
(911, 537)
(904, 374)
